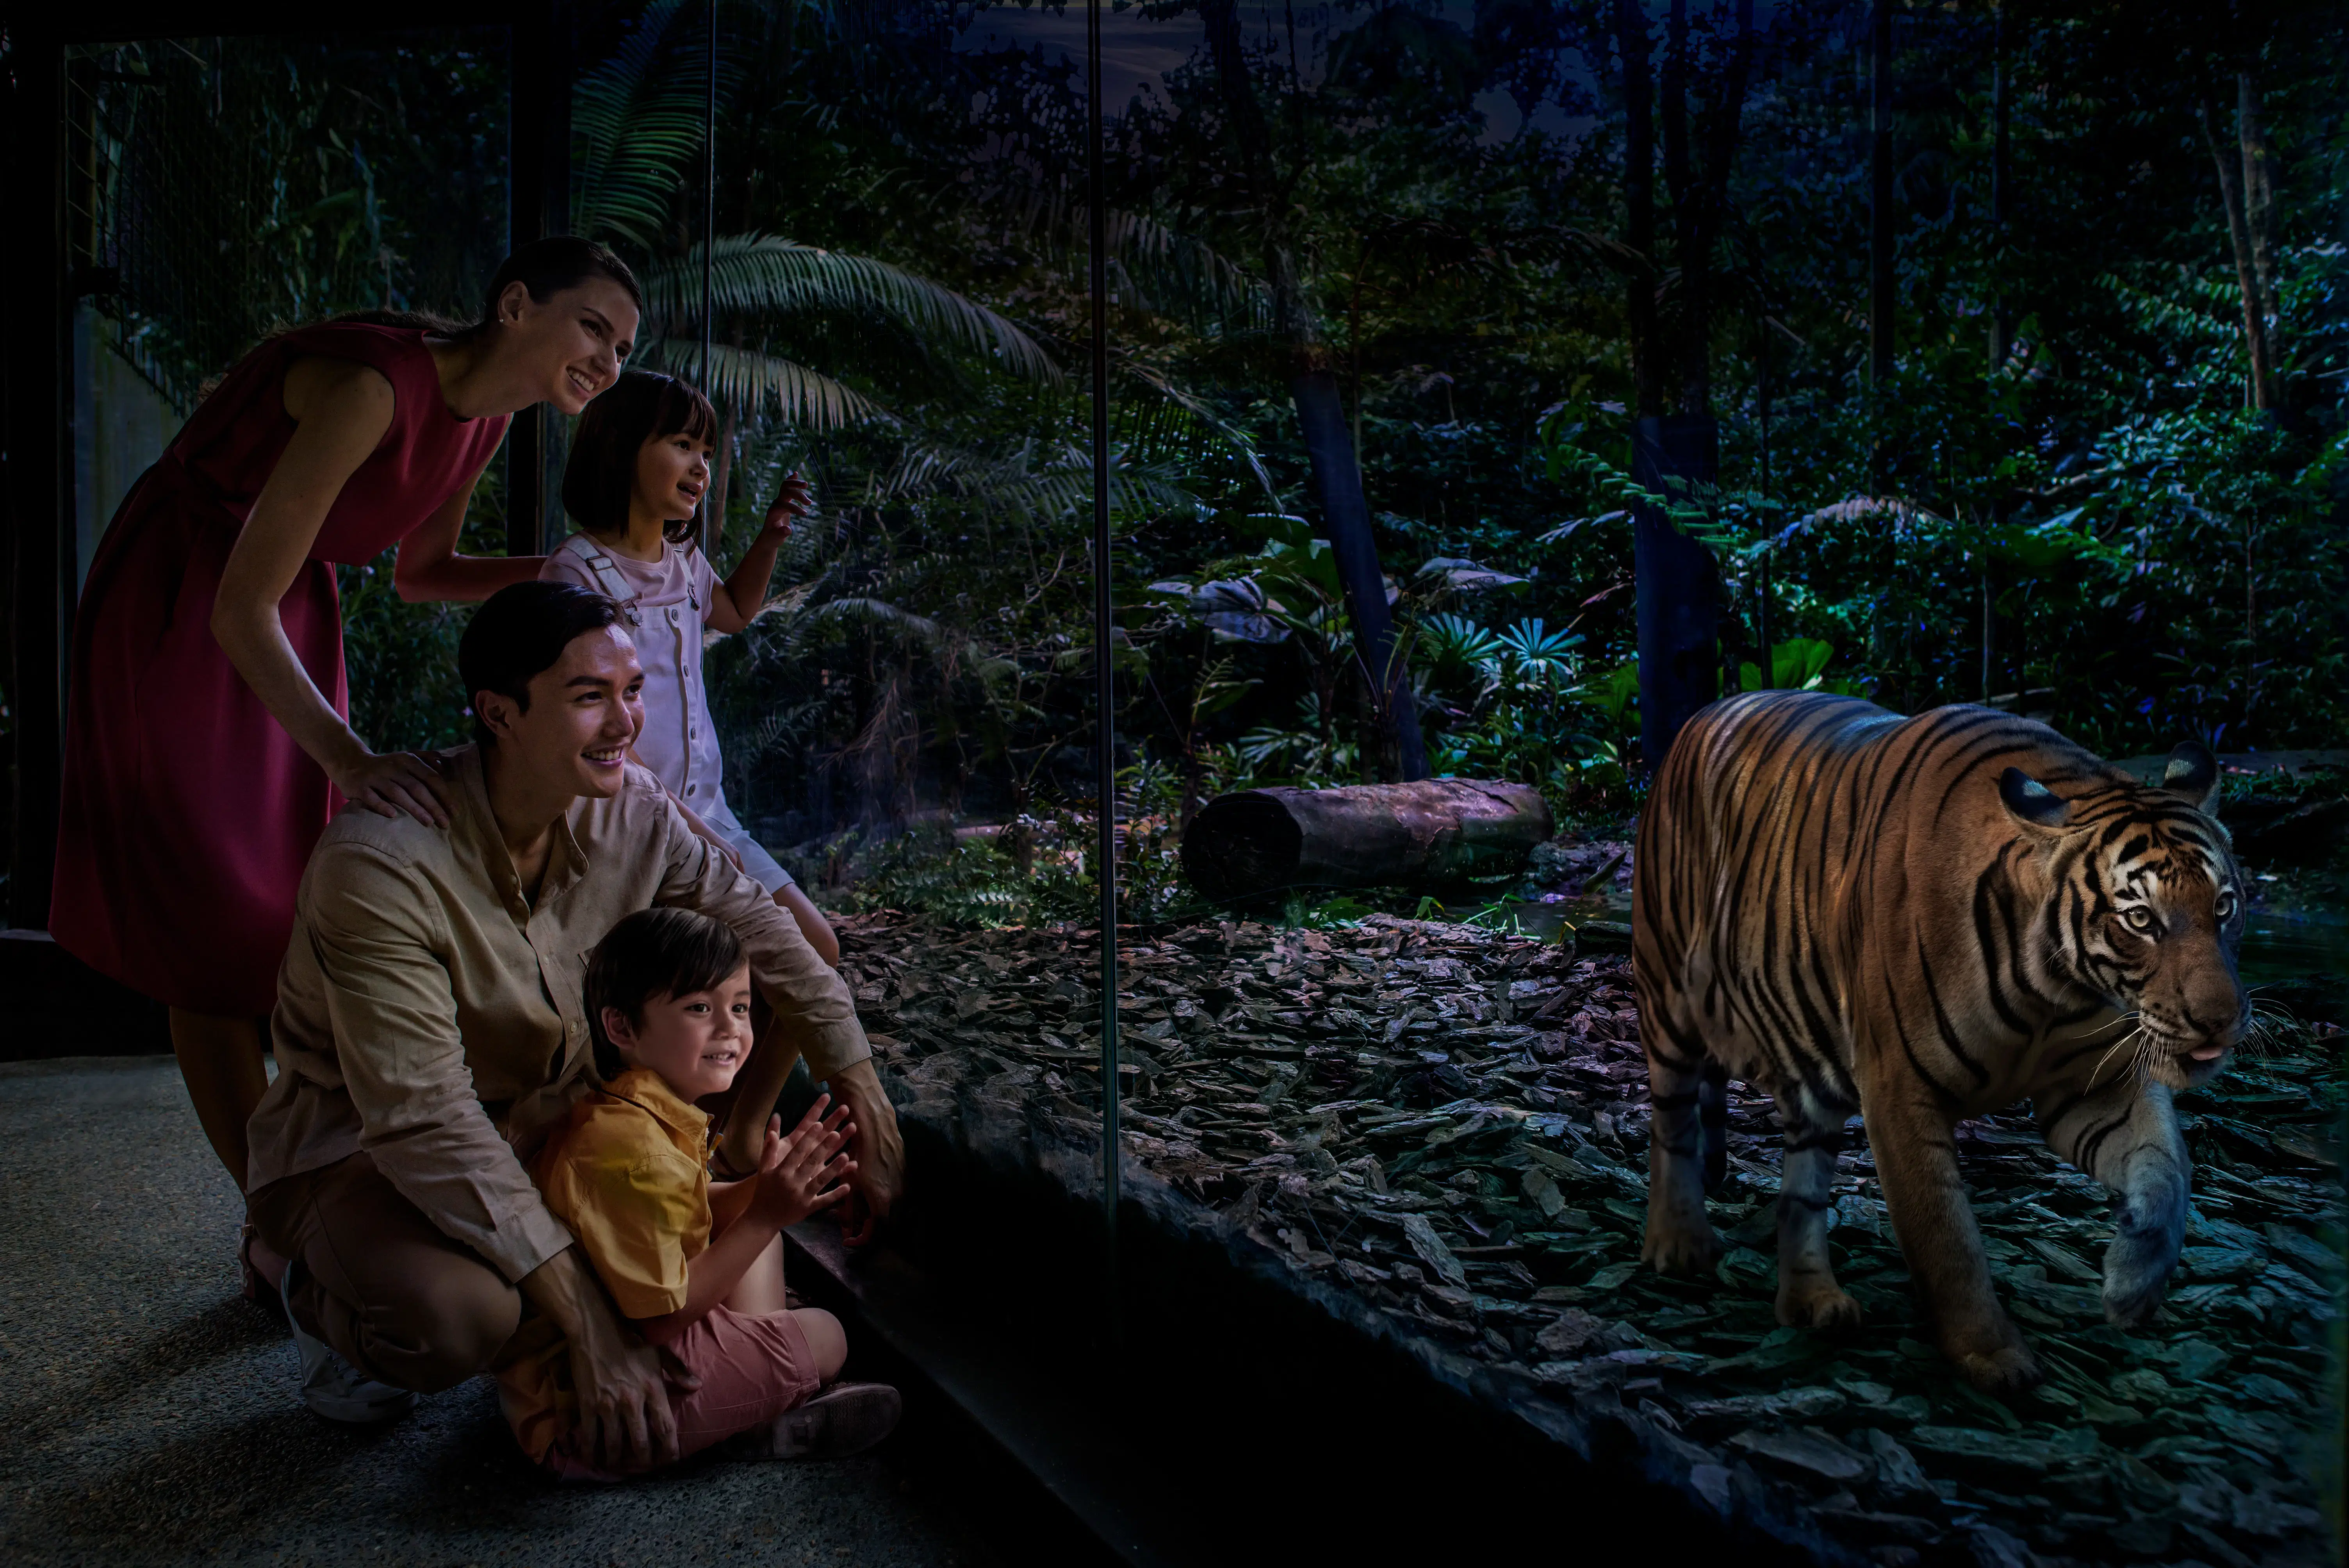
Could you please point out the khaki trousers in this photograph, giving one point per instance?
(380, 1282)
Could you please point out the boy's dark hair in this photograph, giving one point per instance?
(641, 406)
(654, 952)
(520, 631)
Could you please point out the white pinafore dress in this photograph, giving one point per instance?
(664, 604)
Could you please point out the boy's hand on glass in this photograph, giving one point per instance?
(793, 501)
(804, 1172)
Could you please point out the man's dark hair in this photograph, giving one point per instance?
(641, 405)
(520, 631)
(654, 952)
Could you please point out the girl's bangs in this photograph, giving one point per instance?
(683, 411)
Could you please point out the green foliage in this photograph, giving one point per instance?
(402, 656)
(1798, 664)
(2088, 511)
(956, 883)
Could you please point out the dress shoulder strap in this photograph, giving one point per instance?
(607, 573)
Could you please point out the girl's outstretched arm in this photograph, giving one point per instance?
(746, 591)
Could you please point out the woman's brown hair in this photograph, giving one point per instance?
(641, 405)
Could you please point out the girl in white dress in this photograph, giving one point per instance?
(639, 469)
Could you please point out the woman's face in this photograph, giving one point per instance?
(672, 472)
(574, 345)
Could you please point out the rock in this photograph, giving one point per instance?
(2208, 1264)
(1994, 1548)
(1870, 1528)
(1431, 1249)
(1710, 1482)
(2197, 1359)
(1896, 1473)
(2302, 836)
(1990, 1455)
(1809, 1454)
(1571, 1332)
(1790, 1405)
(2145, 1535)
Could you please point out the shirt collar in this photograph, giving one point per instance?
(567, 862)
(644, 1088)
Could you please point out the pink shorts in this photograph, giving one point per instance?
(752, 1369)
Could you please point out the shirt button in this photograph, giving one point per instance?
(693, 788)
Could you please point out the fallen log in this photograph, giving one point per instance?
(1436, 831)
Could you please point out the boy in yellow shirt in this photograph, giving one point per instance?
(696, 1266)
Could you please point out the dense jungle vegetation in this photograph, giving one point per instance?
(2088, 464)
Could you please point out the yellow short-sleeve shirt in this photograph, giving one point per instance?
(628, 1173)
(629, 1176)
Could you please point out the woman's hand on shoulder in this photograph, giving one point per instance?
(390, 782)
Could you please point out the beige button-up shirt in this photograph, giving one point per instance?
(430, 1016)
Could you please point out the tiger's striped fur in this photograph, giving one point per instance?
(1921, 920)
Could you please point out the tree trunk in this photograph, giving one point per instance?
(1673, 581)
(1708, 198)
(2002, 179)
(2239, 233)
(1321, 413)
(1882, 284)
(1346, 519)
(1429, 833)
(1640, 208)
(2259, 210)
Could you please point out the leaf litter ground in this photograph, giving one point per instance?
(1439, 1131)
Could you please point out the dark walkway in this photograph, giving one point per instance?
(148, 1414)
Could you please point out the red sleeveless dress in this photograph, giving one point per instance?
(188, 813)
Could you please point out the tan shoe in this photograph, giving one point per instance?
(845, 1419)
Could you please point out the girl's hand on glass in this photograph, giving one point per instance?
(793, 501)
(390, 782)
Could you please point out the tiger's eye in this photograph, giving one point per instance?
(2139, 918)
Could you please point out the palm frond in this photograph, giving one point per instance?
(635, 121)
(762, 276)
(748, 379)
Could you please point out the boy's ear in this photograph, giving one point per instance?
(619, 1030)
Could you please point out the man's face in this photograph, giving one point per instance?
(584, 711)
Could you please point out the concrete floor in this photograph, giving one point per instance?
(148, 1413)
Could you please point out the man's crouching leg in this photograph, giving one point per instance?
(381, 1285)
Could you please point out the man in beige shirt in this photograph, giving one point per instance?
(429, 1031)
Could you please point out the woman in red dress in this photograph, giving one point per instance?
(207, 737)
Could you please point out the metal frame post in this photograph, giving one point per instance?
(1105, 629)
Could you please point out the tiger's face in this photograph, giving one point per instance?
(2150, 910)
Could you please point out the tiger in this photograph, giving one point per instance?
(1920, 920)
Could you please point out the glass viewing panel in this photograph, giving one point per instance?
(1395, 377)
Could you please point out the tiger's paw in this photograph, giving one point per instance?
(2131, 1301)
(1679, 1249)
(2003, 1370)
(2136, 1275)
(1821, 1306)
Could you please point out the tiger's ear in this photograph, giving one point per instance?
(2029, 802)
(2192, 775)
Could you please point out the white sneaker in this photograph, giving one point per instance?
(335, 1389)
